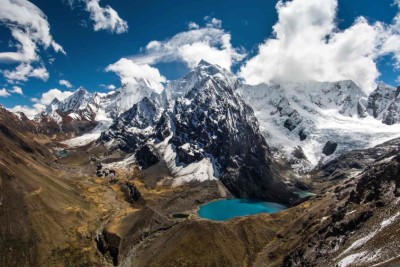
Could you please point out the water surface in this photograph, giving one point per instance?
(225, 209)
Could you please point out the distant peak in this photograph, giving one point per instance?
(384, 86)
(204, 63)
(55, 101)
(81, 89)
(209, 68)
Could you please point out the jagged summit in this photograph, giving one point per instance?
(384, 104)
(295, 118)
(203, 63)
(202, 130)
(201, 73)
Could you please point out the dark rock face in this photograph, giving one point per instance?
(362, 204)
(298, 153)
(208, 121)
(302, 135)
(377, 183)
(219, 125)
(187, 154)
(132, 194)
(147, 114)
(293, 121)
(134, 228)
(329, 148)
(145, 157)
(380, 99)
(392, 114)
(361, 109)
(384, 104)
(359, 159)
(142, 115)
(104, 172)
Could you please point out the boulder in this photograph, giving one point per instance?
(329, 148)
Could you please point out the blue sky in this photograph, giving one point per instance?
(89, 52)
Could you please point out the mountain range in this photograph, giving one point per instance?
(116, 179)
(297, 120)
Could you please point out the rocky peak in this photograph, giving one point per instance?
(78, 100)
(384, 104)
(53, 106)
(207, 131)
(204, 71)
(380, 99)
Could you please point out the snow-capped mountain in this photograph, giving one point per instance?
(91, 114)
(80, 106)
(85, 106)
(384, 104)
(300, 121)
(201, 129)
(303, 123)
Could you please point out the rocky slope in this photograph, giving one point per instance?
(43, 215)
(383, 104)
(363, 226)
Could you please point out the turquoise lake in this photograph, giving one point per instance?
(225, 209)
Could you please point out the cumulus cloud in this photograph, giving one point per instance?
(30, 112)
(210, 43)
(104, 18)
(132, 73)
(65, 83)
(30, 30)
(193, 25)
(4, 93)
(49, 96)
(307, 45)
(17, 90)
(390, 39)
(25, 70)
(109, 87)
(213, 22)
(41, 103)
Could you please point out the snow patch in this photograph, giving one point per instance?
(200, 171)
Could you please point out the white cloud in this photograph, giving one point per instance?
(213, 22)
(30, 112)
(65, 83)
(111, 87)
(104, 18)
(210, 43)
(25, 70)
(4, 93)
(193, 25)
(40, 73)
(17, 90)
(307, 45)
(132, 73)
(40, 104)
(30, 29)
(49, 96)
